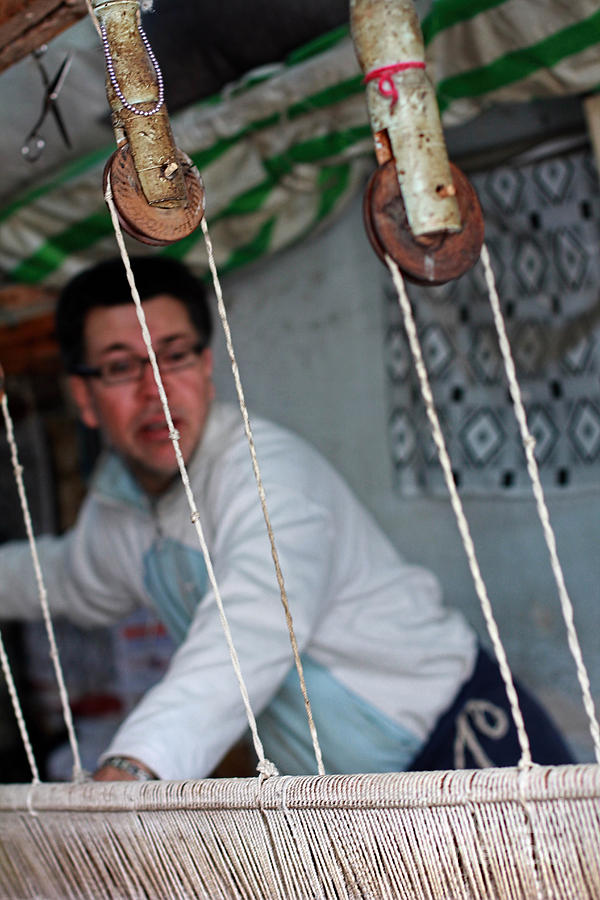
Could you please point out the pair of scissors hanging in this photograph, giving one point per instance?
(34, 143)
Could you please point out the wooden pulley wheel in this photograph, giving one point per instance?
(152, 224)
(432, 259)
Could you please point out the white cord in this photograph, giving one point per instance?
(266, 767)
(542, 508)
(463, 526)
(78, 773)
(18, 710)
(262, 497)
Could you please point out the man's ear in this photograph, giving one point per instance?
(84, 400)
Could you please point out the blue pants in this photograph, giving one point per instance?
(478, 729)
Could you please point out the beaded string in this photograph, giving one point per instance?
(110, 68)
(385, 82)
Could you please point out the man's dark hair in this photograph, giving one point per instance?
(105, 284)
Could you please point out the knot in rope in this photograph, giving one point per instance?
(195, 517)
(489, 720)
(526, 765)
(29, 800)
(266, 769)
(174, 434)
(385, 81)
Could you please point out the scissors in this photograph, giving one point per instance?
(34, 142)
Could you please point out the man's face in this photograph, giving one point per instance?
(130, 414)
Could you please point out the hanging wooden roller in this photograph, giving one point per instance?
(157, 191)
(154, 225)
(418, 209)
(430, 259)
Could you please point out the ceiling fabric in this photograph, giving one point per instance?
(485, 52)
(282, 149)
(278, 157)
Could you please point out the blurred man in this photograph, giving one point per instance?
(390, 671)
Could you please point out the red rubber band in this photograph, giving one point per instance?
(386, 85)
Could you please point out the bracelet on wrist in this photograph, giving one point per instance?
(128, 765)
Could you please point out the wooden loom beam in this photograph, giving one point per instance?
(26, 25)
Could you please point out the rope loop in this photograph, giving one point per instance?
(266, 769)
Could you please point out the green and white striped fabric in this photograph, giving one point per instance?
(282, 152)
(278, 155)
(495, 51)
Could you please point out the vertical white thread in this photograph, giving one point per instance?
(261, 493)
(16, 705)
(43, 596)
(265, 766)
(463, 526)
(525, 763)
(542, 508)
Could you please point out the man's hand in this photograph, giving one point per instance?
(123, 768)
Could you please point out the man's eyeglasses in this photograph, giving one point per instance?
(127, 367)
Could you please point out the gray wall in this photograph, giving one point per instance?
(308, 327)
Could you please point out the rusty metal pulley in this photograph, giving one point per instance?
(429, 259)
(419, 209)
(153, 225)
(156, 189)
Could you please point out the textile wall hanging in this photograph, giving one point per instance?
(542, 228)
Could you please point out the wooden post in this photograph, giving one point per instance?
(386, 33)
(27, 24)
(149, 137)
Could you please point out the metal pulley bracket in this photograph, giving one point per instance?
(419, 209)
(429, 259)
(152, 224)
(156, 189)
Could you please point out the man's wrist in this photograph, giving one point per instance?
(130, 767)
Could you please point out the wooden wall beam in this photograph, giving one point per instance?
(27, 335)
(27, 24)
